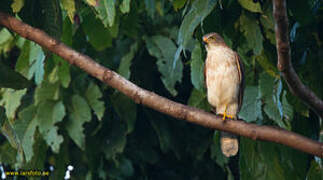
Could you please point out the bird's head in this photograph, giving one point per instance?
(213, 39)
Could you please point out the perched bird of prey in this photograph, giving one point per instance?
(224, 78)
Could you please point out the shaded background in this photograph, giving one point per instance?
(53, 114)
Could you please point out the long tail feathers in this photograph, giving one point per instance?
(229, 144)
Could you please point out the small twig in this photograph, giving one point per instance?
(284, 60)
(157, 102)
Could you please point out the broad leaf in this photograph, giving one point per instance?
(178, 4)
(51, 16)
(36, 62)
(124, 67)
(17, 5)
(106, 11)
(251, 5)
(267, 21)
(251, 106)
(270, 90)
(99, 37)
(164, 50)
(315, 172)
(47, 91)
(267, 160)
(79, 113)
(12, 79)
(69, 6)
(116, 140)
(126, 110)
(11, 100)
(196, 15)
(93, 95)
(63, 71)
(198, 99)
(25, 127)
(125, 6)
(197, 68)
(251, 30)
(48, 114)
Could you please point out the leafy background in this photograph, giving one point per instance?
(53, 114)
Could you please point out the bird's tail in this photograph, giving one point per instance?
(229, 144)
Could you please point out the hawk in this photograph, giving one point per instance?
(224, 77)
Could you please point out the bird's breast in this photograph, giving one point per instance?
(222, 78)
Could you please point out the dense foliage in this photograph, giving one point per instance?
(53, 114)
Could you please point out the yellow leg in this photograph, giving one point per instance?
(225, 114)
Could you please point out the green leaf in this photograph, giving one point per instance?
(5, 36)
(36, 60)
(251, 106)
(267, 21)
(106, 12)
(197, 67)
(46, 91)
(124, 67)
(99, 37)
(150, 7)
(51, 17)
(116, 140)
(198, 12)
(267, 160)
(17, 5)
(267, 65)
(6, 41)
(25, 127)
(8, 153)
(69, 6)
(91, 2)
(178, 4)
(79, 113)
(3, 116)
(251, 30)
(164, 50)
(252, 162)
(287, 108)
(93, 96)
(251, 5)
(315, 172)
(7, 130)
(22, 65)
(270, 90)
(12, 79)
(10, 134)
(198, 99)
(126, 110)
(125, 6)
(48, 114)
(11, 100)
(122, 169)
(63, 72)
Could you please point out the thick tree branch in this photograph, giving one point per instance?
(154, 101)
(284, 60)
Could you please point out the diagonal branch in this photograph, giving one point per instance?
(154, 101)
(284, 60)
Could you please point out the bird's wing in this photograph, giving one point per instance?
(241, 79)
(205, 73)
